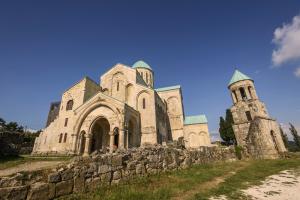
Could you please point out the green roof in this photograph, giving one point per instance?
(196, 119)
(141, 64)
(168, 88)
(238, 76)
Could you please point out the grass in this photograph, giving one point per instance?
(198, 182)
(12, 161)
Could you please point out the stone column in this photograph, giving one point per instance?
(233, 97)
(247, 93)
(87, 145)
(238, 94)
(74, 141)
(111, 142)
(121, 139)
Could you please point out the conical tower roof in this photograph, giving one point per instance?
(238, 76)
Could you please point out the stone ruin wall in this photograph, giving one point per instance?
(86, 173)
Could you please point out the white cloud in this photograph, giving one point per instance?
(287, 40)
(297, 72)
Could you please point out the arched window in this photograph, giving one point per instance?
(144, 103)
(60, 138)
(70, 105)
(65, 137)
(234, 93)
(243, 93)
(142, 74)
(118, 86)
(248, 115)
(249, 89)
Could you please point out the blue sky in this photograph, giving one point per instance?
(46, 46)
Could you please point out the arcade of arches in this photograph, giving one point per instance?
(102, 138)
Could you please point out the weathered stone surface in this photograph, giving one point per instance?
(117, 160)
(63, 188)
(38, 191)
(79, 183)
(117, 175)
(16, 180)
(51, 190)
(13, 193)
(104, 169)
(140, 169)
(67, 174)
(54, 177)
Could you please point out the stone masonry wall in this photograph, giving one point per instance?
(85, 173)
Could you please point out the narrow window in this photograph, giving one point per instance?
(65, 138)
(69, 105)
(118, 86)
(144, 103)
(248, 115)
(243, 93)
(249, 89)
(142, 74)
(60, 137)
(146, 77)
(66, 122)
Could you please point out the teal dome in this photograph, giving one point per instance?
(141, 64)
(238, 76)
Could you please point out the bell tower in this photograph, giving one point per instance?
(253, 127)
(145, 72)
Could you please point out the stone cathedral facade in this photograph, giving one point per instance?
(121, 112)
(254, 129)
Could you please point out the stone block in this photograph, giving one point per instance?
(67, 174)
(117, 160)
(51, 190)
(140, 169)
(117, 175)
(79, 183)
(104, 169)
(38, 191)
(14, 193)
(63, 188)
(106, 178)
(54, 177)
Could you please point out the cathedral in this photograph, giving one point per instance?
(254, 129)
(121, 112)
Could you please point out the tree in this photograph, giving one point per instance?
(284, 138)
(295, 135)
(12, 126)
(225, 129)
(2, 123)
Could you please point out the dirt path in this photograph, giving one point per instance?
(206, 185)
(29, 166)
(282, 186)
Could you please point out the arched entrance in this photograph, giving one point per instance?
(100, 135)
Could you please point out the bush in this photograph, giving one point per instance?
(238, 151)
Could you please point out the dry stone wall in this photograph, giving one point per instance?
(85, 173)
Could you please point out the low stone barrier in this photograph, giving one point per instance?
(85, 173)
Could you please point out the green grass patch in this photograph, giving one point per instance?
(12, 161)
(253, 174)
